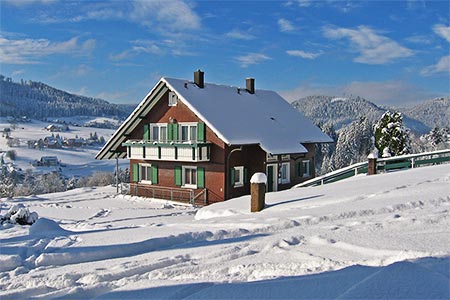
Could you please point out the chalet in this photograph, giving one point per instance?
(202, 142)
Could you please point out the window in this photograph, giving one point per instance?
(173, 99)
(271, 157)
(189, 177)
(145, 173)
(285, 172)
(238, 176)
(188, 132)
(306, 168)
(158, 132)
(285, 157)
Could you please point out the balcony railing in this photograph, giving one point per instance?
(192, 151)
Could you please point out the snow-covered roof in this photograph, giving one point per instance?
(240, 118)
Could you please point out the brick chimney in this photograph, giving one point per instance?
(199, 78)
(250, 85)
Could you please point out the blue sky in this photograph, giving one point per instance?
(391, 52)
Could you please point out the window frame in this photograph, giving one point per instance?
(183, 177)
(287, 172)
(148, 169)
(306, 168)
(190, 126)
(161, 127)
(173, 99)
(238, 170)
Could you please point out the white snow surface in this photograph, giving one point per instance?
(77, 161)
(258, 178)
(274, 124)
(381, 236)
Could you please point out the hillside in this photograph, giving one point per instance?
(434, 112)
(38, 100)
(368, 237)
(340, 112)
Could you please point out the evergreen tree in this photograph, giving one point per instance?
(391, 137)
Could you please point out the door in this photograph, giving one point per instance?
(272, 182)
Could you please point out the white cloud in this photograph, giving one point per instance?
(142, 46)
(175, 15)
(240, 35)
(28, 2)
(303, 54)
(443, 31)
(285, 25)
(17, 72)
(442, 66)
(252, 59)
(28, 51)
(395, 93)
(373, 48)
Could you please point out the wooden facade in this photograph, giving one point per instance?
(218, 173)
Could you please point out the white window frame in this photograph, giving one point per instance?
(271, 157)
(285, 157)
(146, 180)
(239, 170)
(183, 177)
(173, 99)
(285, 177)
(306, 168)
(161, 127)
(189, 132)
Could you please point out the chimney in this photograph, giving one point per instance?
(199, 78)
(250, 85)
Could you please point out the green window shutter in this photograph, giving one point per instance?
(146, 132)
(200, 177)
(175, 132)
(245, 176)
(232, 176)
(154, 174)
(299, 169)
(201, 133)
(178, 175)
(135, 172)
(170, 132)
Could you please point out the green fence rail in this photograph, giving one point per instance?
(388, 164)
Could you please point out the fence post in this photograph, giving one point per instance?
(258, 192)
(372, 164)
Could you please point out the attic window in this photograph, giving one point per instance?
(173, 99)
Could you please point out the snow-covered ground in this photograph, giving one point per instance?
(77, 161)
(382, 236)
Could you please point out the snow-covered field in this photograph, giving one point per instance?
(382, 236)
(77, 161)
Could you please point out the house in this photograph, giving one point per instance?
(52, 142)
(202, 141)
(48, 161)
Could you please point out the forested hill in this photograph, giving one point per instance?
(340, 112)
(38, 100)
(433, 113)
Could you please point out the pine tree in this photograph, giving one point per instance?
(391, 137)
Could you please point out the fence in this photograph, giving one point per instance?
(382, 165)
(172, 194)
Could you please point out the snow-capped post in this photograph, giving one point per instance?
(372, 163)
(258, 192)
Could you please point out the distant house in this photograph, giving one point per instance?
(74, 142)
(52, 142)
(209, 139)
(47, 161)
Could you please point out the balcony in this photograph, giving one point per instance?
(193, 151)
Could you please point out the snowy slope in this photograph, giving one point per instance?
(382, 236)
(78, 161)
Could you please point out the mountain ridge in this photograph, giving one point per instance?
(39, 100)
